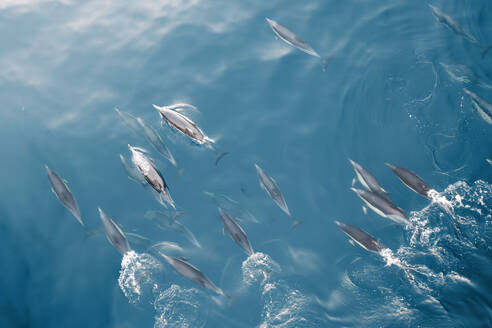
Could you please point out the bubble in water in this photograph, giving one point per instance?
(180, 307)
(137, 275)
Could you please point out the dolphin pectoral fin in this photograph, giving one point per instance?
(351, 242)
(223, 231)
(485, 50)
(364, 209)
(354, 181)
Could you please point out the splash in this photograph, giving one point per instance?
(137, 275)
(283, 306)
(180, 307)
(258, 268)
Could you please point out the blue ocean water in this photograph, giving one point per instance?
(392, 91)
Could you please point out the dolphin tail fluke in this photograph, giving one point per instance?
(90, 232)
(219, 156)
(295, 223)
(324, 62)
(485, 50)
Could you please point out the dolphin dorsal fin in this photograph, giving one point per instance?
(142, 150)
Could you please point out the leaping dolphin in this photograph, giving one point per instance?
(382, 206)
(268, 184)
(64, 195)
(114, 233)
(237, 233)
(362, 238)
(151, 174)
(189, 271)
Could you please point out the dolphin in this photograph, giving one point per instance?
(286, 35)
(270, 186)
(411, 180)
(382, 206)
(130, 121)
(454, 26)
(187, 270)
(177, 120)
(184, 125)
(232, 207)
(153, 177)
(114, 233)
(237, 233)
(362, 238)
(483, 107)
(64, 195)
(155, 139)
(170, 223)
(415, 183)
(368, 180)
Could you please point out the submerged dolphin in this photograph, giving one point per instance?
(237, 233)
(483, 107)
(232, 207)
(189, 271)
(368, 180)
(170, 223)
(114, 233)
(290, 38)
(454, 26)
(362, 238)
(155, 139)
(382, 206)
(64, 195)
(130, 121)
(411, 180)
(270, 186)
(151, 174)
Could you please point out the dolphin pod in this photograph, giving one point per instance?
(64, 195)
(187, 270)
(362, 238)
(237, 233)
(115, 235)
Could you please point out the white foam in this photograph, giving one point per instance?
(136, 278)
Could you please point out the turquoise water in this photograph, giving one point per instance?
(392, 91)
